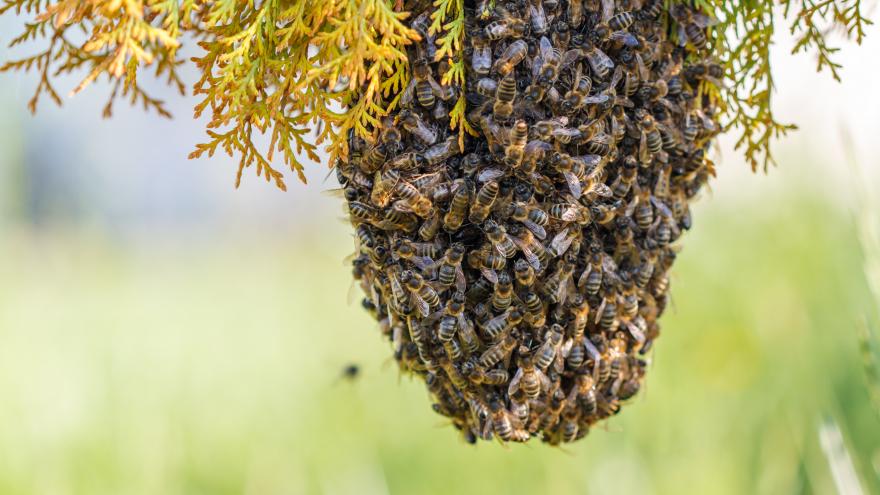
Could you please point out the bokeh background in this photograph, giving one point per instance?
(164, 333)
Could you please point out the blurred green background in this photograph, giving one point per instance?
(162, 333)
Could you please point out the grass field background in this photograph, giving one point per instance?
(209, 366)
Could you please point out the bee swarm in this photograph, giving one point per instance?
(523, 277)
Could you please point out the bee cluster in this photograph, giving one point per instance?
(522, 277)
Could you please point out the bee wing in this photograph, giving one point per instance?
(565, 350)
(600, 59)
(593, 353)
(574, 184)
(644, 73)
(406, 97)
(514, 383)
(583, 278)
(661, 206)
(569, 57)
(546, 48)
(545, 382)
(682, 35)
(600, 309)
(570, 214)
(625, 37)
(489, 174)
(420, 304)
(536, 229)
(644, 156)
(460, 280)
(490, 274)
(703, 20)
(607, 10)
(560, 239)
(592, 100)
(530, 256)
(635, 331)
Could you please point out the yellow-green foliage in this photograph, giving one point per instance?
(284, 68)
(743, 36)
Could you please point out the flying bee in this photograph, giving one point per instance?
(498, 352)
(416, 126)
(515, 150)
(524, 273)
(511, 57)
(528, 378)
(483, 202)
(692, 25)
(503, 293)
(532, 218)
(504, 96)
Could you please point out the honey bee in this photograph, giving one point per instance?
(513, 154)
(652, 9)
(415, 126)
(483, 202)
(504, 96)
(550, 416)
(502, 323)
(450, 271)
(555, 289)
(528, 378)
(532, 218)
(481, 59)
(478, 375)
(507, 26)
(499, 239)
(599, 62)
(524, 273)
(458, 207)
(546, 354)
(374, 158)
(442, 151)
(429, 228)
(583, 393)
(535, 314)
(651, 141)
(569, 429)
(503, 426)
(692, 25)
(361, 212)
(550, 61)
(498, 352)
(538, 16)
(511, 57)
(422, 80)
(535, 253)
(503, 294)
(575, 13)
(452, 372)
(423, 296)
